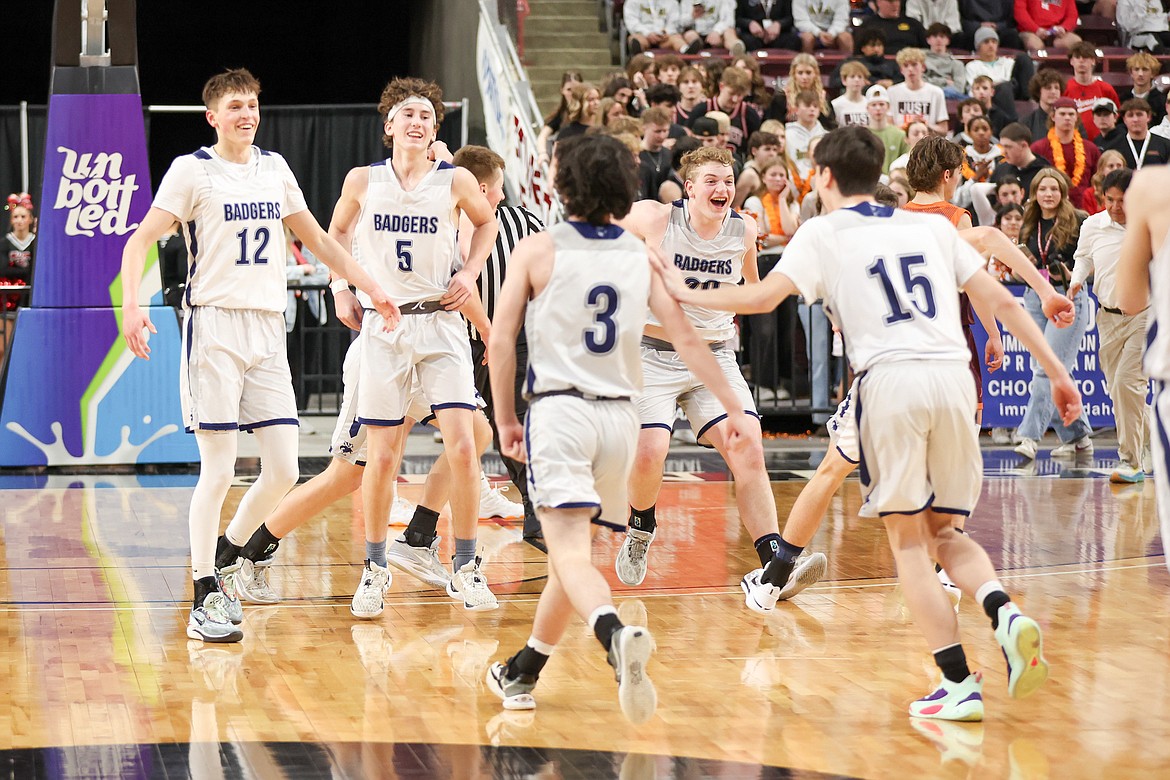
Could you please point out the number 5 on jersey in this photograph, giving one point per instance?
(405, 258)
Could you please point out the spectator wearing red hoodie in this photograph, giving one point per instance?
(1047, 23)
(1085, 88)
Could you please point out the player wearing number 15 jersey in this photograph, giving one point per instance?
(890, 280)
(713, 247)
(233, 201)
(586, 285)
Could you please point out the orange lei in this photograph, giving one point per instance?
(1058, 160)
(803, 186)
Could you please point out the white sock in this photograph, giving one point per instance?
(986, 589)
(279, 470)
(597, 613)
(217, 468)
(544, 648)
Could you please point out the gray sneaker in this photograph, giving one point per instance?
(631, 558)
(628, 654)
(209, 621)
(515, 693)
(420, 562)
(808, 571)
(252, 583)
(229, 585)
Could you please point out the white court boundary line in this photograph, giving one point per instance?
(532, 598)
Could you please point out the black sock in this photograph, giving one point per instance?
(203, 586)
(261, 546)
(767, 546)
(225, 552)
(605, 627)
(992, 603)
(528, 663)
(421, 531)
(953, 662)
(643, 519)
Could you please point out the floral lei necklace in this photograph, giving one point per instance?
(1078, 171)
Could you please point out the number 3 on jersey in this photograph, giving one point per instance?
(602, 338)
(912, 284)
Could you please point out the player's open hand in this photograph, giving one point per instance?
(390, 313)
(1059, 309)
(993, 354)
(135, 327)
(461, 287)
(512, 439)
(349, 309)
(1066, 398)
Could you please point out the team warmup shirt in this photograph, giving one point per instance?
(705, 265)
(888, 279)
(406, 240)
(232, 215)
(585, 327)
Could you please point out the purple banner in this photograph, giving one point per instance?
(96, 191)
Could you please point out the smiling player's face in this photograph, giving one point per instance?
(236, 117)
(412, 127)
(710, 189)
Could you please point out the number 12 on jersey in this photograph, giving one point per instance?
(912, 284)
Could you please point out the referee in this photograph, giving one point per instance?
(515, 223)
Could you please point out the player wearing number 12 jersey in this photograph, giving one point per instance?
(233, 201)
(890, 280)
(586, 286)
(713, 247)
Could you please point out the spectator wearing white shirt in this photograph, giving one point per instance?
(1122, 336)
(823, 24)
(849, 108)
(1016, 72)
(1143, 24)
(652, 24)
(710, 23)
(936, 12)
(914, 99)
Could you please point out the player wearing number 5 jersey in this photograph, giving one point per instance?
(713, 247)
(401, 215)
(586, 286)
(890, 280)
(233, 201)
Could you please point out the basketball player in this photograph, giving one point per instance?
(890, 280)
(401, 214)
(584, 286)
(233, 201)
(713, 246)
(842, 458)
(1143, 279)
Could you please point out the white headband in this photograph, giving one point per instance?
(413, 100)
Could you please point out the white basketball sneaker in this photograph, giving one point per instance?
(493, 502)
(369, 599)
(470, 586)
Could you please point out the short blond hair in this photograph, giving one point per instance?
(693, 160)
(909, 55)
(1143, 59)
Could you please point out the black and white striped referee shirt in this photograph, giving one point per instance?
(515, 222)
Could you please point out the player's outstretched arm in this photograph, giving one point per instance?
(471, 201)
(135, 320)
(699, 359)
(326, 248)
(509, 313)
(982, 287)
(1133, 270)
(989, 242)
(741, 299)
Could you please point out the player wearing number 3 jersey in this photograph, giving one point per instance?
(233, 201)
(890, 281)
(586, 286)
(713, 248)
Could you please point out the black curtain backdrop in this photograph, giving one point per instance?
(10, 153)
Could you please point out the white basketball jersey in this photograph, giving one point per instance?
(1157, 357)
(232, 215)
(705, 265)
(889, 279)
(406, 240)
(585, 328)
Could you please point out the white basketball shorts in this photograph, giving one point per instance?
(667, 382)
(234, 372)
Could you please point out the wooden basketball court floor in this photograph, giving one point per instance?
(99, 679)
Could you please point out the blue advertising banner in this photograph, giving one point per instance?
(1005, 392)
